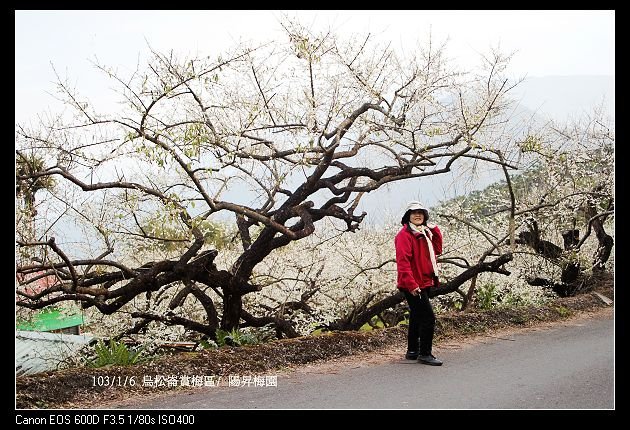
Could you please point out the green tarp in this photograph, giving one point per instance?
(48, 320)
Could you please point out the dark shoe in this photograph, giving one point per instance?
(430, 360)
(411, 355)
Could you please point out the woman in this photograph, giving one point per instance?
(417, 247)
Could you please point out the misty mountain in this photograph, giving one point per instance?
(564, 97)
(559, 98)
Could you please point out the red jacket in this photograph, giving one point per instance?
(413, 261)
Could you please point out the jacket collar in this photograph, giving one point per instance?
(413, 233)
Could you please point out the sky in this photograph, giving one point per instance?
(544, 43)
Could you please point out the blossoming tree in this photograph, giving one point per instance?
(259, 145)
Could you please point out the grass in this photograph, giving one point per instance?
(563, 311)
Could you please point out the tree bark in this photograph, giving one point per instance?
(358, 317)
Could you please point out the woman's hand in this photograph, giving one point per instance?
(415, 292)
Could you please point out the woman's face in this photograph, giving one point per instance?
(416, 217)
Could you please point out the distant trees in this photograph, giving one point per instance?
(564, 193)
(574, 197)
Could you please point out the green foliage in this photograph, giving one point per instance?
(167, 225)
(511, 299)
(486, 296)
(208, 344)
(563, 312)
(214, 233)
(236, 337)
(26, 188)
(574, 257)
(479, 204)
(115, 353)
(531, 144)
(448, 302)
(373, 324)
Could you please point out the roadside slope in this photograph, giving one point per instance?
(75, 388)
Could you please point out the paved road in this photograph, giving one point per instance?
(567, 366)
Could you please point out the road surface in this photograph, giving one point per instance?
(566, 365)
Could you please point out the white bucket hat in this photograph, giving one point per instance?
(415, 205)
(412, 206)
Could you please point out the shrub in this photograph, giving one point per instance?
(115, 353)
(486, 296)
(235, 338)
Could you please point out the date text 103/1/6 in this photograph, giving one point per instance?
(113, 381)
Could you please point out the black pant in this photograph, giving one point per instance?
(421, 322)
